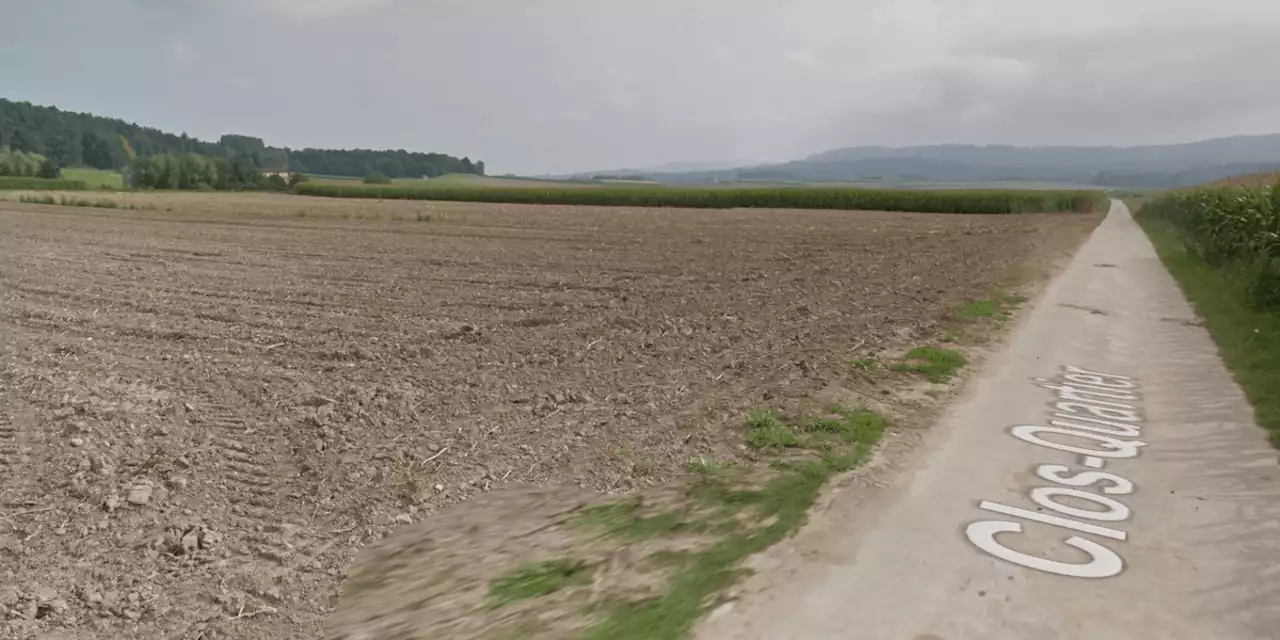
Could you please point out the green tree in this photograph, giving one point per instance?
(140, 174)
(63, 147)
(96, 151)
(165, 170)
(50, 169)
(374, 177)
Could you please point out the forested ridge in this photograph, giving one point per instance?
(70, 139)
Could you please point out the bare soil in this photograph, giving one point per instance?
(210, 404)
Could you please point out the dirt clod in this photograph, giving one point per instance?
(140, 493)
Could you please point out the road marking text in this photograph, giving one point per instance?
(1093, 417)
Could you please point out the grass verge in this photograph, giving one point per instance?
(746, 521)
(1247, 339)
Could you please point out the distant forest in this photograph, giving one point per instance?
(69, 139)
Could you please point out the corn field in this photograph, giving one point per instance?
(787, 198)
(40, 184)
(1231, 228)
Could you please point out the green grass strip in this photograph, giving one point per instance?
(1248, 340)
(784, 504)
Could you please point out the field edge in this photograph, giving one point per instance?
(1248, 340)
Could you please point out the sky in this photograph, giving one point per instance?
(556, 86)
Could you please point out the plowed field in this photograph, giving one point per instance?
(208, 404)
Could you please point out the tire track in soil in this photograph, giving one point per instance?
(259, 489)
(10, 449)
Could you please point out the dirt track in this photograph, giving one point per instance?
(205, 412)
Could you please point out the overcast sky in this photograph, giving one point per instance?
(544, 86)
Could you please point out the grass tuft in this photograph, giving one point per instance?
(979, 309)
(536, 580)
(999, 305)
(765, 431)
(936, 364)
(850, 426)
(863, 364)
(710, 467)
(625, 519)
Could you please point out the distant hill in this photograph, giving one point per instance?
(1152, 166)
(85, 140)
(669, 167)
(1249, 180)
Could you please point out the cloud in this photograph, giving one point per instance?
(565, 85)
(300, 9)
(318, 9)
(181, 52)
(802, 57)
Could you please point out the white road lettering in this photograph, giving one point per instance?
(1103, 562)
(1092, 421)
(1058, 473)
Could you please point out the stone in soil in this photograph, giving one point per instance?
(140, 493)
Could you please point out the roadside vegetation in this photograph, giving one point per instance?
(792, 198)
(740, 514)
(1222, 245)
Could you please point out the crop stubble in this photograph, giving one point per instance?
(207, 411)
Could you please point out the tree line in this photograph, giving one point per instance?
(70, 139)
(396, 163)
(195, 171)
(26, 165)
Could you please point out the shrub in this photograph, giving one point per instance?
(374, 177)
(49, 170)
